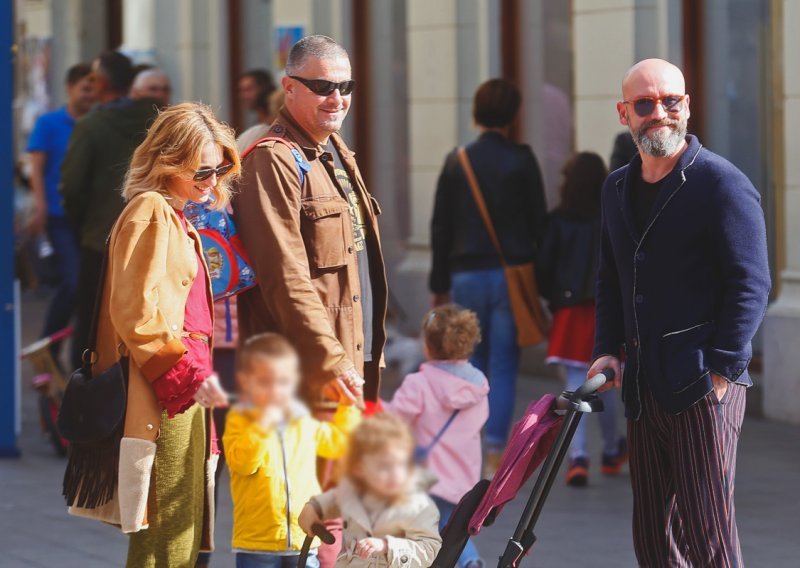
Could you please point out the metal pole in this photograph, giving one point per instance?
(9, 359)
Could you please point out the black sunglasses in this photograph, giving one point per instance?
(324, 88)
(204, 174)
(646, 105)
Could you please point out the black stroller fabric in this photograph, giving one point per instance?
(456, 533)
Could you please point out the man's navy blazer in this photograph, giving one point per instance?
(685, 296)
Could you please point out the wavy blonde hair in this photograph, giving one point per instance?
(173, 147)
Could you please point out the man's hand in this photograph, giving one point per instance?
(440, 299)
(308, 518)
(210, 394)
(603, 363)
(721, 385)
(367, 547)
(347, 389)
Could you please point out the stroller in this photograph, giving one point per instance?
(535, 438)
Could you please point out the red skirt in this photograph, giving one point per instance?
(572, 335)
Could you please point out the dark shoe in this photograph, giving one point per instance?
(578, 472)
(612, 464)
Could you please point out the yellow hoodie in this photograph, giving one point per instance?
(274, 472)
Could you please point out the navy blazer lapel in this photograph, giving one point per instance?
(674, 181)
(669, 187)
(624, 190)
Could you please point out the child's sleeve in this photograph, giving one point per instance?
(332, 436)
(245, 443)
(327, 505)
(408, 402)
(421, 543)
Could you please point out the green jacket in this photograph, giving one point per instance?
(94, 167)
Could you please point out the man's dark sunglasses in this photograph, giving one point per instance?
(324, 88)
(646, 105)
(204, 174)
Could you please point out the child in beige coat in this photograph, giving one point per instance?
(389, 520)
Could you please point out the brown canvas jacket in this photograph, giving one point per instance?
(301, 245)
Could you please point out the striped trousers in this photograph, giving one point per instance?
(682, 471)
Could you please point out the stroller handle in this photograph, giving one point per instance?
(590, 387)
(324, 534)
(318, 530)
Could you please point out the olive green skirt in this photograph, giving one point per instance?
(176, 526)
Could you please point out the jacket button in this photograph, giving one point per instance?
(174, 327)
(185, 282)
(356, 298)
(324, 157)
(149, 426)
(349, 250)
(568, 294)
(635, 342)
(358, 347)
(639, 298)
(640, 256)
(404, 559)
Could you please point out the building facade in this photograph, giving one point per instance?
(418, 62)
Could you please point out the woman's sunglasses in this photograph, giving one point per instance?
(324, 88)
(204, 174)
(646, 105)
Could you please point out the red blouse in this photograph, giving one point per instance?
(176, 388)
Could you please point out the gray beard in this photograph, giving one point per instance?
(661, 143)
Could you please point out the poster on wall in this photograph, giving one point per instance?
(286, 36)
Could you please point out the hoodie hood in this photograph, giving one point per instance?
(456, 385)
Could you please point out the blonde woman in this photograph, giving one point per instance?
(157, 308)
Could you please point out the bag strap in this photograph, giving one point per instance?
(88, 356)
(302, 165)
(480, 202)
(441, 432)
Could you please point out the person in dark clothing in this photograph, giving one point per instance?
(94, 167)
(682, 287)
(566, 269)
(466, 265)
(623, 152)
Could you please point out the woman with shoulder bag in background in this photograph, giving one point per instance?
(156, 309)
(567, 269)
(467, 264)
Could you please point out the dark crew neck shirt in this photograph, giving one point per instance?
(643, 199)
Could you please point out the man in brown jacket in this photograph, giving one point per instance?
(310, 229)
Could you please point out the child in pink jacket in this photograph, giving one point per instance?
(446, 406)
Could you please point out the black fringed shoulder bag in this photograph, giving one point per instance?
(92, 419)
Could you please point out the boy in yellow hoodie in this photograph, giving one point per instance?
(271, 445)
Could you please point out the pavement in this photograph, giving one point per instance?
(588, 527)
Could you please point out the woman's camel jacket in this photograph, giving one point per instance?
(152, 264)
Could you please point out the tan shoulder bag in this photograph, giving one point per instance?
(532, 322)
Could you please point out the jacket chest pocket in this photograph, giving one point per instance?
(325, 223)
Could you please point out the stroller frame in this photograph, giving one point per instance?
(583, 400)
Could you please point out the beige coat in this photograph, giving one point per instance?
(151, 267)
(410, 527)
(300, 242)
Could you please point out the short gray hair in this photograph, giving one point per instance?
(318, 46)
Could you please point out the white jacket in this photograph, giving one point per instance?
(410, 527)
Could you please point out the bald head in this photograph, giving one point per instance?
(152, 84)
(651, 77)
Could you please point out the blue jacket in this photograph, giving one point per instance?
(685, 297)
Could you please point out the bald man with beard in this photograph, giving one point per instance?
(682, 288)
